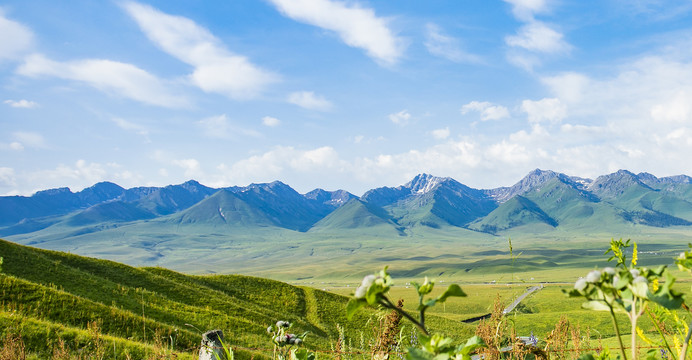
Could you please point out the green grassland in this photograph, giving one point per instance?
(50, 296)
(447, 252)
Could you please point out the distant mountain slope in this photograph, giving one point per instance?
(284, 206)
(224, 208)
(356, 214)
(115, 211)
(14, 209)
(515, 212)
(432, 201)
(330, 198)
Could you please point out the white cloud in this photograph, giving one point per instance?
(27, 139)
(26, 104)
(191, 167)
(525, 9)
(283, 162)
(487, 110)
(569, 86)
(323, 157)
(400, 118)
(677, 109)
(220, 127)
(16, 38)
(113, 77)
(442, 45)
(440, 134)
(215, 68)
(270, 121)
(357, 26)
(539, 37)
(130, 126)
(534, 36)
(648, 88)
(81, 173)
(7, 177)
(308, 100)
(547, 109)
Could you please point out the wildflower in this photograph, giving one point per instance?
(298, 341)
(281, 339)
(580, 284)
(269, 330)
(533, 340)
(284, 324)
(609, 270)
(593, 276)
(634, 272)
(364, 286)
(640, 279)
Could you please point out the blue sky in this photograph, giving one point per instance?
(340, 94)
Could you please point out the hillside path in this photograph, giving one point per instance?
(516, 301)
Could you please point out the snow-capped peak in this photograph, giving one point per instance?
(423, 183)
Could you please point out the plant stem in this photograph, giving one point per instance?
(687, 342)
(633, 322)
(658, 328)
(388, 304)
(617, 332)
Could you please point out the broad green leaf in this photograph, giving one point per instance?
(668, 299)
(596, 305)
(418, 354)
(473, 343)
(353, 306)
(640, 289)
(452, 290)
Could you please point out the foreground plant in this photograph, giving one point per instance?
(626, 289)
(373, 292)
(286, 345)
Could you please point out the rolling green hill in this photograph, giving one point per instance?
(356, 214)
(517, 211)
(50, 296)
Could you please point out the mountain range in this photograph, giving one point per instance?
(542, 198)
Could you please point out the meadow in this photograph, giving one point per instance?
(58, 303)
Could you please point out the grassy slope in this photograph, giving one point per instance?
(49, 295)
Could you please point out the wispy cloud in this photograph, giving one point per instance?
(357, 26)
(525, 10)
(440, 134)
(547, 109)
(309, 100)
(534, 37)
(27, 139)
(270, 121)
(220, 127)
(440, 44)
(216, 69)
(539, 37)
(7, 177)
(25, 104)
(122, 79)
(130, 126)
(16, 38)
(400, 118)
(487, 110)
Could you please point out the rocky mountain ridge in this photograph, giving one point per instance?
(543, 198)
